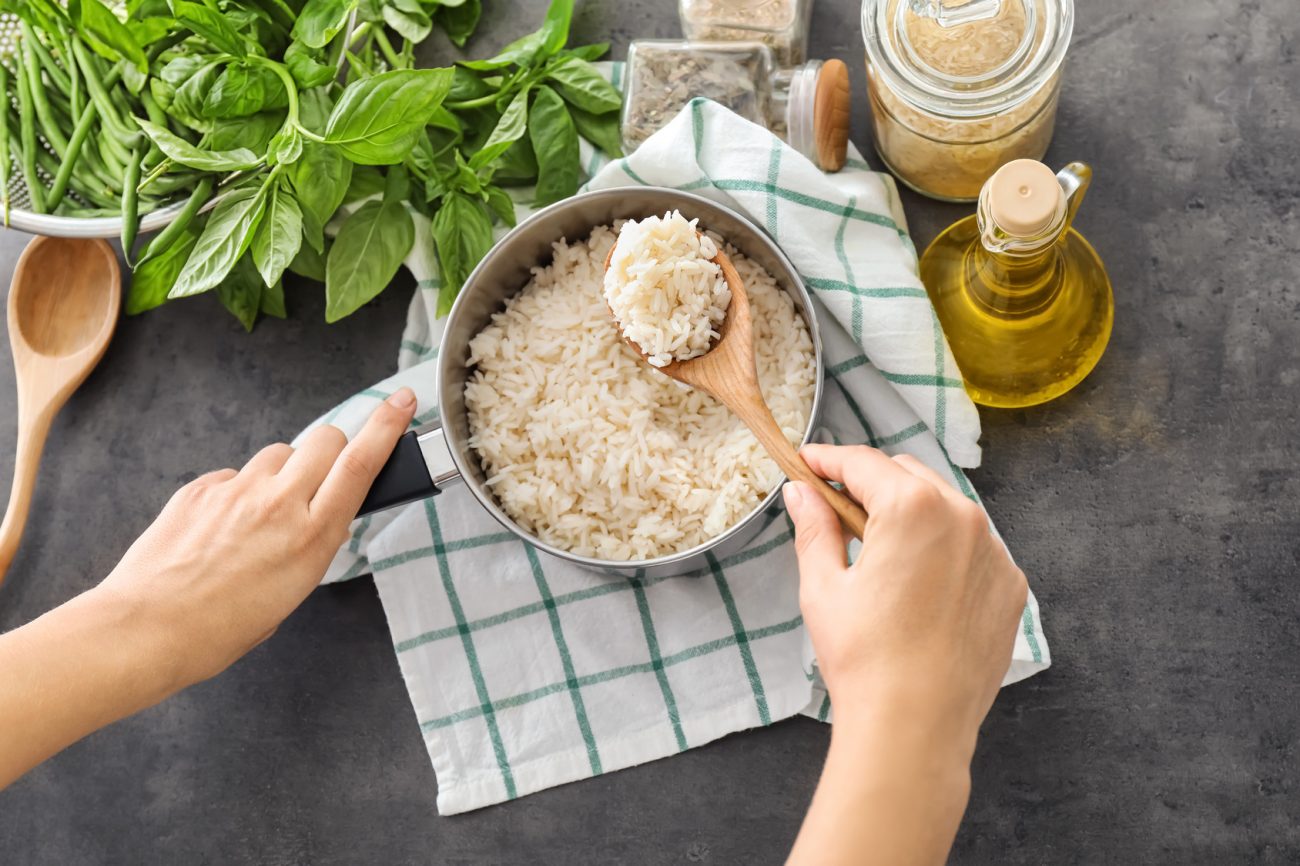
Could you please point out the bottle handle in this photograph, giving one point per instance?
(1074, 180)
(948, 14)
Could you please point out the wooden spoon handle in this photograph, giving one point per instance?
(758, 417)
(33, 428)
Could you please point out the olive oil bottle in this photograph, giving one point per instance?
(1023, 299)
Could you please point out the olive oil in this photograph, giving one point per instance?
(1023, 299)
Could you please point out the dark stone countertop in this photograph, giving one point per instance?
(1156, 510)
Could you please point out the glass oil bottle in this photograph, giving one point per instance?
(1023, 299)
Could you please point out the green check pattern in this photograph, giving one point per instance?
(526, 672)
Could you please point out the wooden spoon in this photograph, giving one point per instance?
(728, 372)
(63, 306)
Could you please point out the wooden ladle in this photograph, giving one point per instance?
(728, 372)
(63, 307)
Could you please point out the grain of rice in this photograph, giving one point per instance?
(594, 452)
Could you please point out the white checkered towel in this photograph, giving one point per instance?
(526, 672)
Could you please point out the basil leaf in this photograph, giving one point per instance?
(408, 18)
(602, 130)
(555, 142)
(285, 148)
(321, 20)
(516, 166)
(581, 85)
(501, 204)
(211, 25)
(322, 174)
(243, 89)
(253, 132)
(365, 182)
(540, 45)
(241, 293)
(377, 119)
(309, 263)
(589, 53)
(462, 234)
(466, 85)
(225, 238)
(276, 12)
(153, 279)
(397, 185)
(99, 24)
(149, 30)
(365, 256)
(459, 21)
(193, 90)
(179, 150)
(278, 235)
(307, 70)
(273, 301)
(509, 129)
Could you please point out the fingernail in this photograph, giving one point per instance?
(793, 499)
(404, 398)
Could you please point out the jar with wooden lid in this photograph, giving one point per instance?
(781, 25)
(959, 88)
(807, 105)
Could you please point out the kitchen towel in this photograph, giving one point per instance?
(526, 672)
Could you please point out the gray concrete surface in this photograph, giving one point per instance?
(1156, 510)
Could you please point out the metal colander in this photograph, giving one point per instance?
(64, 226)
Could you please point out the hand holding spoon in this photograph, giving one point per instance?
(728, 372)
(63, 306)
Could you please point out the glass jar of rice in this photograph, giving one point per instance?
(959, 88)
(781, 25)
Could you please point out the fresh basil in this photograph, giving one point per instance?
(408, 18)
(377, 119)
(211, 25)
(582, 86)
(241, 292)
(509, 129)
(369, 249)
(182, 151)
(459, 21)
(309, 263)
(462, 235)
(153, 279)
(555, 141)
(321, 20)
(278, 236)
(602, 130)
(243, 89)
(307, 70)
(107, 29)
(226, 236)
(501, 204)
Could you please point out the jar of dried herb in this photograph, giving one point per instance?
(959, 88)
(781, 25)
(807, 105)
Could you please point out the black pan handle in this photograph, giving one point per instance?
(404, 478)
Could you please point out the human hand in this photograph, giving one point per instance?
(233, 553)
(925, 618)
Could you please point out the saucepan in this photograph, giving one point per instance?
(427, 460)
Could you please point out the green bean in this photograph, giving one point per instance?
(4, 145)
(27, 133)
(99, 90)
(52, 68)
(177, 227)
(131, 201)
(49, 126)
(75, 95)
(75, 142)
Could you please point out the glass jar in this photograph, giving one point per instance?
(959, 88)
(807, 106)
(781, 25)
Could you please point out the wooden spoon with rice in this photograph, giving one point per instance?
(727, 371)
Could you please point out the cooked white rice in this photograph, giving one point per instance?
(594, 452)
(664, 292)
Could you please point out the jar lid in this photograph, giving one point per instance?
(966, 58)
(832, 108)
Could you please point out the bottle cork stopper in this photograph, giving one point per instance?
(1024, 197)
(831, 111)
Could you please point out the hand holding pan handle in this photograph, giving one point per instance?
(417, 469)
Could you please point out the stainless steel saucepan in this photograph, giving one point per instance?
(427, 460)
